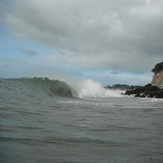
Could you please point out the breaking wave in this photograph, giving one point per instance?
(37, 87)
(90, 88)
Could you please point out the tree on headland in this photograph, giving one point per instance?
(158, 67)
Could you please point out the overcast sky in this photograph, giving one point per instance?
(110, 41)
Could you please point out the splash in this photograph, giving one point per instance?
(90, 88)
(36, 87)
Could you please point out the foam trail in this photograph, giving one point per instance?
(90, 88)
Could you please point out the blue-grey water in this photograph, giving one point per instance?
(38, 126)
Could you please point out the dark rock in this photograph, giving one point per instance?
(146, 91)
(123, 87)
(143, 95)
(137, 95)
(158, 67)
(159, 94)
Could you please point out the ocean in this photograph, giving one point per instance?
(47, 121)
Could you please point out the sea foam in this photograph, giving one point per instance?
(89, 88)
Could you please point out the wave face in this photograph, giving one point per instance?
(36, 87)
(36, 126)
(92, 89)
(41, 87)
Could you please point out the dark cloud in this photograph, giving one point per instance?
(28, 52)
(121, 35)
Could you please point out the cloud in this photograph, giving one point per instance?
(107, 34)
(28, 52)
(56, 68)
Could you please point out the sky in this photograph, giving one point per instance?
(109, 41)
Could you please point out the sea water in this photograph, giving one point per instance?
(96, 126)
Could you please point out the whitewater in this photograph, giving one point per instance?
(45, 121)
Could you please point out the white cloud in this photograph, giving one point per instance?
(123, 35)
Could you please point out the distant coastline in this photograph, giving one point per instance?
(152, 90)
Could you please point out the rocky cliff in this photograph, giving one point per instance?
(158, 76)
(155, 89)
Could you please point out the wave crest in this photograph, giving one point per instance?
(90, 88)
(37, 86)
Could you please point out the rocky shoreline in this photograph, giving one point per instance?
(122, 87)
(153, 90)
(146, 91)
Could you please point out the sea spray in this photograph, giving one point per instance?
(91, 89)
(36, 87)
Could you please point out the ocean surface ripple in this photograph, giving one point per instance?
(40, 122)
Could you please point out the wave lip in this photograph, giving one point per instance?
(92, 89)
